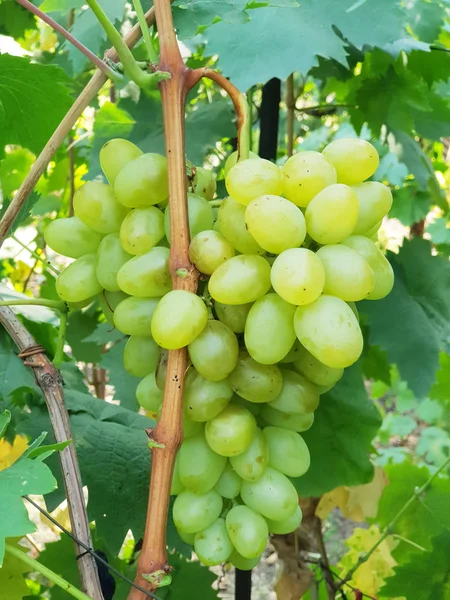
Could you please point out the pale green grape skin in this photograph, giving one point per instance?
(372, 233)
(331, 216)
(191, 428)
(273, 495)
(240, 280)
(289, 525)
(214, 353)
(204, 183)
(176, 487)
(232, 160)
(233, 316)
(242, 563)
(269, 330)
(109, 301)
(146, 275)
(231, 431)
(148, 394)
(141, 230)
(354, 159)
(212, 545)
(199, 467)
(254, 408)
(95, 205)
(348, 275)
(208, 250)
(329, 330)
(352, 305)
(305, 174)
(375, 201)
(71, 237)
(255, 382)
(288, 452)
(275, 223)
(253, 177)
(114, 155)
(248, 531)
(204, 399)
(200, 215)
(292, 354)
(140, 356)
(277, 418)
(315, 371)
(178, 319)
(194, 512)
(110, 258)
(231, 224)
(298, 396)
(229, 483)
(251, 464)
(298, 276)
(133, 316)
(188, 538)
(78, 282)
(143, 181)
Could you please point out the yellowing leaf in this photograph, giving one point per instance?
(9, 453)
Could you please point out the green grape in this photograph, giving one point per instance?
(231, 431)
(140, 356)
(331, 216)
(242, 563)
(191, 428)
(254, 408)
(200, 216)
(71, 237)
(275, 417)
(110, 258)
(146, 275)
(275, 223)
(375, 201)
(382, 270)
(78, 281)
(354, 309)
(298, 276)
(251, 178)
(108, 303)
(79, 305)
(232, 160)
(273, 495)
(288, 525)
(143, 181)
(208, 250)
(204, 399)
(187, 538)
(204, 183)
(255, 382)
(330, 331)
(355, 160)
(95, 205)
(292, 354)
(178, 319)
(212, 545)
(240, 280)
(251, 464)
(161, 370)
(142, 229)
(199, 467)
(114, 155)
(288, 452)
(347, 274)
(248, 531)
(233, 316)
(148, 394)
(298, 396)
(269, 330)
(194, 512)
(176, 487)
(372, 233)
(315, 371)
(229, 483)
(214, 352)
(306, 174)
(231, 223)
(133, 316)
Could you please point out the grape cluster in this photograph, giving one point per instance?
(273, 326)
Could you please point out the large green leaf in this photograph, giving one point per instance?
(15, 19)
(124, 384)
(13, 373)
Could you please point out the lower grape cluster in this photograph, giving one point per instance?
(273, 326)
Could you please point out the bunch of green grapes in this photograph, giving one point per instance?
(273, 326)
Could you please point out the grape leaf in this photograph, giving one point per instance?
(15, 19)
(60, 558)
(391, 170)
(426, 19)
(12, 582)
(80, 325)
(24, 211)
(189, 580)
(5, 419)
(441, 387)
(13, 373)
(189, 15)
(124, 384)
(410, 205)
(439, 231)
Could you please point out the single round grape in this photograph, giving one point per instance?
(231, 431)
(305, 174)
(194, 512)
(114, 155)
(240, 280)
(199, 467)
(95, 205)
(204, 399)
(176, 487)
(212, 545)
(288, 452)
(375, 201)
(255, 382)
(355, 160)
(331, 216)
(231, 224)
(273, 495)
(133, 316)
(277, 418)
(141, 356)
(251, 464)
(143, 181)
(108, 303)
(253, 177)
(232, 160)
(242, 563)
(292, 354)
(347, 274)
(298, 276)
(142, 229)
(289, 525)
(330, 331)
(204, 183)
(233, 316)
(269, 330)
(298, 396)
(214, 352)
(178, 319)
(200, 216)
(110, 258)
(78, 282)
(146, 275)
(315, 371)
(248, 531)
(71, 237)
(275, 223)
(148, 394)
(229, 483)
(208, 250)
